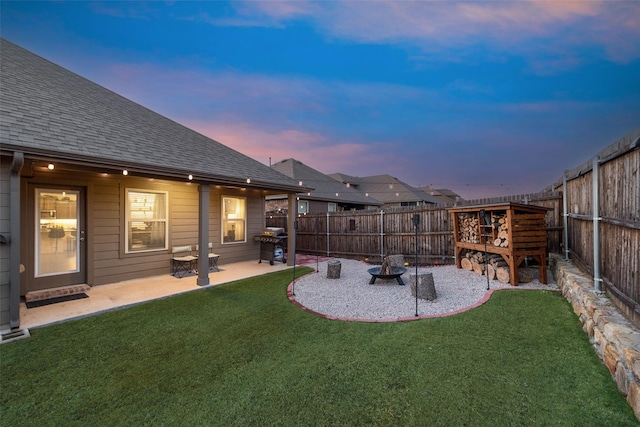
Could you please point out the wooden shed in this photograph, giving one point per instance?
(512, 230)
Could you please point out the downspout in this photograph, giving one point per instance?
(203, 234)
(597, 280)
(565, 214)
(14, 262)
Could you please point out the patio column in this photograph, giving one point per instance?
(203, 234)
(291, 227)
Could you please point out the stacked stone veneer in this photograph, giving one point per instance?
(614, 338)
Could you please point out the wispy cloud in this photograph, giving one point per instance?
(544, 31)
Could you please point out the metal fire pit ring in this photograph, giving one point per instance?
(396, 272)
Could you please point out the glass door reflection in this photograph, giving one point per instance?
(57, 244)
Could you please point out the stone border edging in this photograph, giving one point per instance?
(614, 338)
(480, 302)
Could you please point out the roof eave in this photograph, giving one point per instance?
(139, 169)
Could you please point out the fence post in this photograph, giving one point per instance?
(382, 235)
(565, 214)
(597, 280)
(328, 249)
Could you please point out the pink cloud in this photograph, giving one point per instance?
(313, 149)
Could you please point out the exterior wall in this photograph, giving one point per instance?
(5, 171)
(107, 261)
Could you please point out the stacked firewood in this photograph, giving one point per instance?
(500, 222)
(494, 266)
(468, 230)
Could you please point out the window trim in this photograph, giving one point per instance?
(223, 220)
(127, 212)
(334, 205)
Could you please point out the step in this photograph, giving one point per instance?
(56, 292)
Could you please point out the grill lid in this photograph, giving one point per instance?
(273, 231)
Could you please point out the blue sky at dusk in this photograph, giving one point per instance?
(484, 98)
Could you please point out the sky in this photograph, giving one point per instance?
(486, 98)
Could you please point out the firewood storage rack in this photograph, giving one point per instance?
(512, 230)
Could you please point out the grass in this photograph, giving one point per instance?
(242, 354)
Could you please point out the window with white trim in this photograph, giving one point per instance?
(146, 214)
(303, 206)
(332, 207)
(234, 219)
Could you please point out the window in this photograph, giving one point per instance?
(146, 218)
(303, 207)
(234, 218)
(332, 207)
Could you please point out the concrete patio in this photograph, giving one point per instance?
(117, 295)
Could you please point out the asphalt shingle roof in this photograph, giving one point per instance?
(49, 110)
(386, 188)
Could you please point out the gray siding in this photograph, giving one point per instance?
(107, 260)
(5, 170)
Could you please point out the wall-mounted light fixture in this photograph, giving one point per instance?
(248, 180)
(51, 166)
(125, 172)
(190, 177)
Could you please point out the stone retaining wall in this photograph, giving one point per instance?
(614, 338)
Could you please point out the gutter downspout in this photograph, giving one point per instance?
(14, 254)
(565, 214)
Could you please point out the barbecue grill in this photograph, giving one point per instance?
(272, 242)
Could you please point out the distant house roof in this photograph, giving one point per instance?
(444, 194)
(324, 187)
(50, 111)
(386, 188)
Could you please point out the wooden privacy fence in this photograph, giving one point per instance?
(376, 233)
(602, 205)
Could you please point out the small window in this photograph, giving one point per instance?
(146, 218)
(303, 206)
(332, 207)
(234, 219)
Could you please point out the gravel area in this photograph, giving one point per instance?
(352, 297)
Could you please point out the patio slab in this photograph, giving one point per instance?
(112, 296)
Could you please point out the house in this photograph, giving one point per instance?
(97, 189)
(387, 189)
(328, 195)
(445, 195)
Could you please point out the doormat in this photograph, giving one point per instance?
(49, 301)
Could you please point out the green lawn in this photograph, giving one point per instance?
(242, 354)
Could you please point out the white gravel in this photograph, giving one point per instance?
(352, 297)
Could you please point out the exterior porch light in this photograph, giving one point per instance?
(51, 166)
(190, 177)
(248, 180)
(125, 172)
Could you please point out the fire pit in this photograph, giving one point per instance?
(391, 273)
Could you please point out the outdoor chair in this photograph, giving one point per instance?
(213, 258)
(182, 261)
